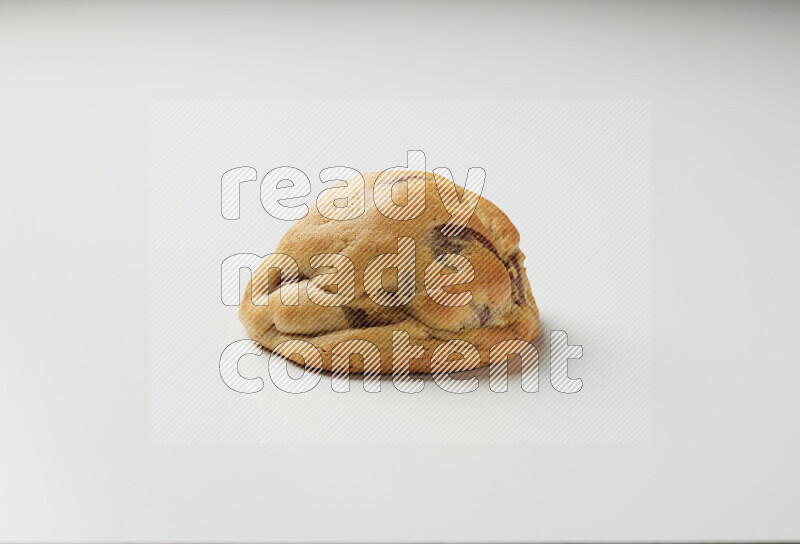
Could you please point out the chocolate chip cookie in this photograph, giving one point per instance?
(348, 233)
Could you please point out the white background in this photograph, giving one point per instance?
(77, 462)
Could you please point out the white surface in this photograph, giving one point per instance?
(77, 462)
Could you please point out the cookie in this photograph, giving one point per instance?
(280, 306)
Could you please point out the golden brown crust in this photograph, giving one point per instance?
(502, 305)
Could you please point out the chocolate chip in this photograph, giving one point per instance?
(356, 317)
(454, 244)
(484, 314)
(516, 278)
(445, 244)
(288, 281)
(468, 233)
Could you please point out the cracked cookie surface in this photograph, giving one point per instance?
(502, 305)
